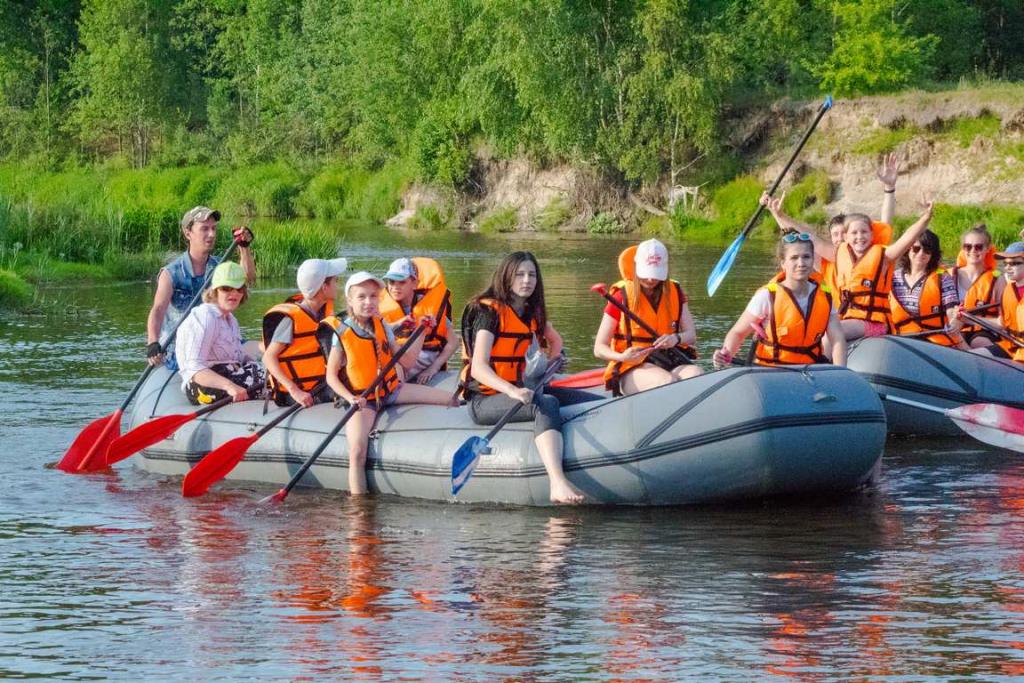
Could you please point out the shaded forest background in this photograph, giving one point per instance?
(634, 88)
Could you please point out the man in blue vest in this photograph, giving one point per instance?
(181, 279)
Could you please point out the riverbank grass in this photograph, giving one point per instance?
(15, 293)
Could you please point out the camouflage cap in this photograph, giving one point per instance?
(198, 215)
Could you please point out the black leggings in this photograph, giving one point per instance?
(543, 410)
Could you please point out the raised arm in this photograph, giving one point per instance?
(822, 248)
(902, 245)
(888, 172)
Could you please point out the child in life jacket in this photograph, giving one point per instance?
(792, 314)
(292, 356)
(408, 297)
(863, 265)
(979, 285)
(361, 346)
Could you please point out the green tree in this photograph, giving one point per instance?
(124, 76)
(873, 50)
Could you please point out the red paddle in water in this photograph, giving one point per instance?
(88, 451)
(219, 462)
(992, 423)
(153, 431)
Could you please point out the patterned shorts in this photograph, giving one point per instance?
(252, 376)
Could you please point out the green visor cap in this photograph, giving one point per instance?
(228, 274)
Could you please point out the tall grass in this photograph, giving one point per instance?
(284, 245)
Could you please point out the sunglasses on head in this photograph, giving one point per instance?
(973, 246)
(791, 237)
(917, 248)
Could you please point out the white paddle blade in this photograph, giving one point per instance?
(996, 425)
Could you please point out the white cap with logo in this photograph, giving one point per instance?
(315, 271)
(401, 269)
(651, 260)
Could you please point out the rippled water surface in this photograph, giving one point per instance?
(116, 576)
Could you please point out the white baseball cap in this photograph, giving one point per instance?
(401, 269)
(651, 260)
(315, 271)
(361, 277)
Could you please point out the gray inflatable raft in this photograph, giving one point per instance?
(935, 375)
(741, 433)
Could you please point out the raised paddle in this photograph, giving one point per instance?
(465, 460)
(991, 423)
(725, 262)
(151, 432)
(87, 452)
(216, 464)
(602, 289)
(583, 379)
(283, 493)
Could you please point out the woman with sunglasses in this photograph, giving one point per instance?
(864, 266)
(1011, 305)
(923, 295)
(213, 363)
(978, 283)
(793, 315)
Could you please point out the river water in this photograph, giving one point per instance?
(115, 576)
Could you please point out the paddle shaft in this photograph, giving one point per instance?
(825, 106)
(989, 327)
(912, 404)
(630, 314)
(503, 420)
(349, 413)
(289, 411)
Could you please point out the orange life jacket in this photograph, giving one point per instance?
(981, 292)
(864, 283)
(666, 320)
(302, 360)
(508, 354)
(793, 336)
(365, 355)
(1012, 320)
(828, 275)
(436, 302)
(931, 313)
(1018, 355)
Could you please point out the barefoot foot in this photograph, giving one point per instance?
(563, 492)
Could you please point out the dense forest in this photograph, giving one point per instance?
(635, 88)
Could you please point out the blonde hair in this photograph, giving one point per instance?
(210, 295)
(852, 218)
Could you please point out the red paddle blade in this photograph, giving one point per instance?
(277, 498)
(581, 380)
(998, 425)
(216, 465)
(145, 435)
(86, 452)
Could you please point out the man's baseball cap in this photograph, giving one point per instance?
(313, 273)
(401, 269)
(198, 215)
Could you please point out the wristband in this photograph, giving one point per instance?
(893, 190)
(153, 349)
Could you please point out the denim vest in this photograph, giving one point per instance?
(186, 286)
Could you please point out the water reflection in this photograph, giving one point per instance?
(115, 576)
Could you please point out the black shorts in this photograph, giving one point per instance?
(668, 359)
(248, 375)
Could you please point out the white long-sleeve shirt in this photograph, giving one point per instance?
(207, 337)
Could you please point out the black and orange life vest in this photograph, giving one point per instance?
(436, 302)
(508, 354)
(931, 312)
(366, 355)
(666, 320)
(794, 336)
(302, 359)
(981, 292)
(1013, 321)
(864, 283)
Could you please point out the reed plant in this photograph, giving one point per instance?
(284, 245)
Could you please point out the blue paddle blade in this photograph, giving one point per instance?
(724, 264)
(465, 460)
(827, 104)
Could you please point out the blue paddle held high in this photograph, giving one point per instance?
(720, 270)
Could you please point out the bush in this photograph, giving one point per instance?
(501, 219)
(283, 245)
(430, 217)
(605, 223)
(949, 222)
(553, 216)
(15, 293)
(267, 190)
(733, 203)
(812, 193)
